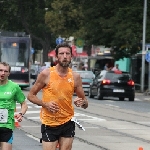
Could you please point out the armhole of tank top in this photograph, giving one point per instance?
(50, 69)
(71, 71)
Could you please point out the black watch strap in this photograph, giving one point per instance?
(21, 114)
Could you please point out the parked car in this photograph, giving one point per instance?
(87, 78)
(112, 83)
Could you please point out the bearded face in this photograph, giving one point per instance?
(64, 63)
(64, 57)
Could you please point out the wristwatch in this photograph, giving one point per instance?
(21, 114)
(84, 103)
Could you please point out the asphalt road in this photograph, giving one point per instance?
(109, 125)
(25, 141)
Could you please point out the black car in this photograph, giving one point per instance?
(114, 84)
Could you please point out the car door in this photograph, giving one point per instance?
(96, 82)
(93, 84)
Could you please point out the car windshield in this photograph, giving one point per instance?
(86, 75)
(114, 76)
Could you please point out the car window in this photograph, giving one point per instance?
(86, 75)
(113, 76)
(102, 74)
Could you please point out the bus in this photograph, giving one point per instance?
(15, 50)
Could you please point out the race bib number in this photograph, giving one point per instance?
(3, 115)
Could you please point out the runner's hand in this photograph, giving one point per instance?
(19, 117)
(79, 101)
(52, 106)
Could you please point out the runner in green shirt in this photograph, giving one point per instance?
(10, 94)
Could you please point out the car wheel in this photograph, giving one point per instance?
(99, 95)
(121, 98)
(131, 98)
(90, 94)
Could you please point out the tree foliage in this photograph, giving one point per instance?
(28, 16)
(119, 26)
(64, 17)
(113, 23)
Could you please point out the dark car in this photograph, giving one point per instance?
(87, 77)
(114, 84)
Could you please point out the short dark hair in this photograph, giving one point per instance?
(6, 64)
(63, 45)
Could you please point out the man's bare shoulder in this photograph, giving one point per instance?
(75, 74)
(43, 77)
(45, 72)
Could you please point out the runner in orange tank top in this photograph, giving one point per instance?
(58, 85)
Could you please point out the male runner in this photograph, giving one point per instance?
(10, 93)
(58, 85)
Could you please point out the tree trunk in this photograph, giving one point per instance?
(46, 48)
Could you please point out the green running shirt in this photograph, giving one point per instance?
(10, 94)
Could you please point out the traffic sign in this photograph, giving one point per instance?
(59, 40)
(147, 57)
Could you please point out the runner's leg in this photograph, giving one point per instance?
(6, 138)
(49, 145)
(6, 146)
(65, 143)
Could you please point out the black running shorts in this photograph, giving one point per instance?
(6, 135)
(51, 134)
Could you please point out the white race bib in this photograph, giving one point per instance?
(3, 115)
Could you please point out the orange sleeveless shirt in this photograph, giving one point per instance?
(60, 90)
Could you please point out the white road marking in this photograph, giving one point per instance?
(91, 127)
(33, 137)
(31, 126)
(91, 120)
(38, 106)
(90, 117)
(147, 98)
(110, 101)
(136, 99)
(28, 102)
(19, 107)
(34, 118)
(117, 128)
(33, 112)
(111, 105)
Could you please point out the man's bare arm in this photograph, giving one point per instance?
(40, 83)
(24, 107)
(81, 100)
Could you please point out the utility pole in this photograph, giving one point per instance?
(143, 47)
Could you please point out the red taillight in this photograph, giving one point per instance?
(22, 70)
(118, 72)
(106, 82)
(130, 82)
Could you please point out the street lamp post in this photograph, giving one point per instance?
(143, 46)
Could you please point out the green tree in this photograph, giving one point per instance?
(64, 17)
(118, 26)
(113, 23)
(27, 16)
